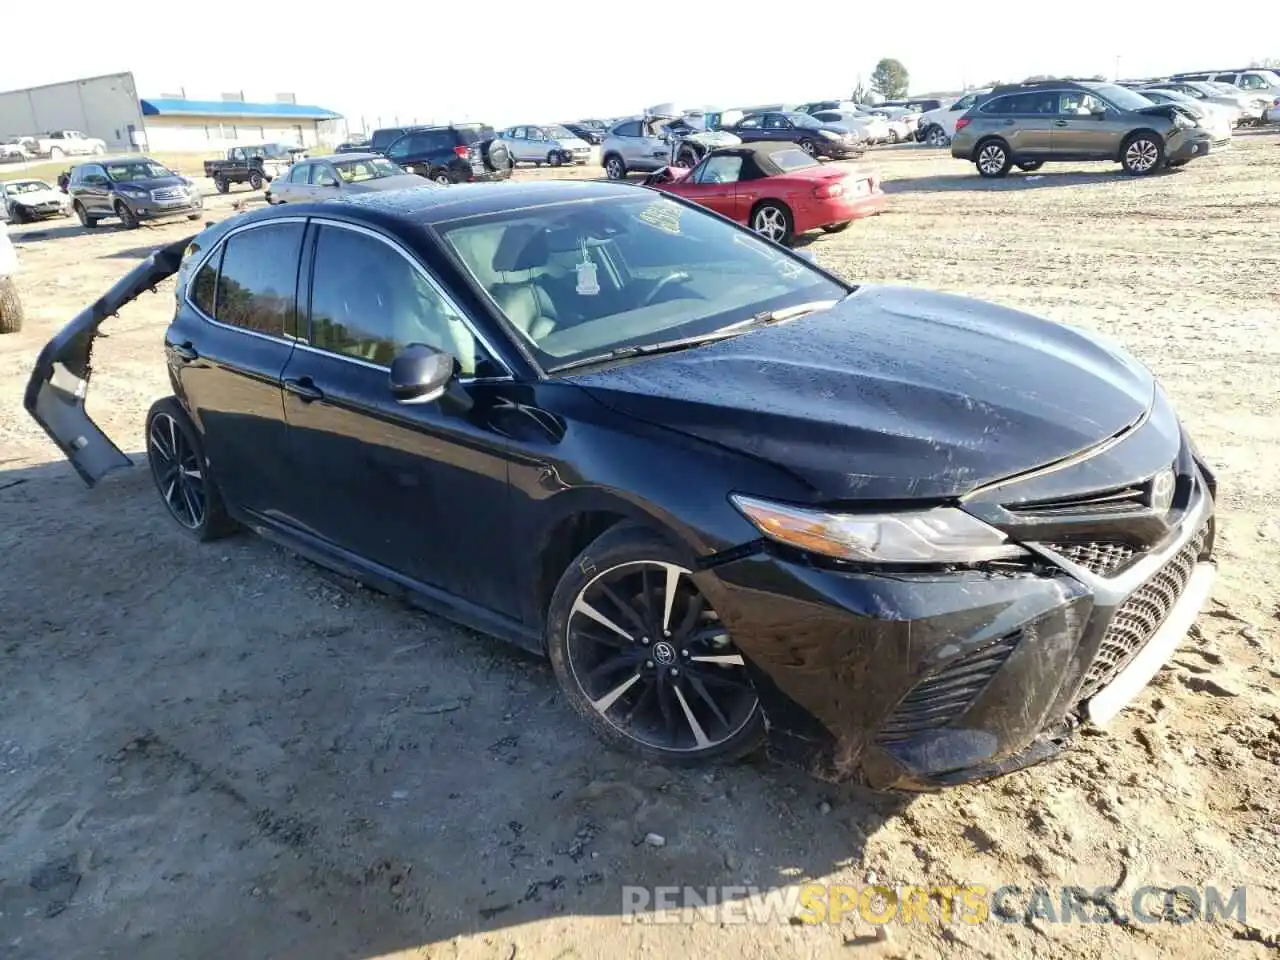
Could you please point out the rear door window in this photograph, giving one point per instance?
(631, 129)
(258, 281)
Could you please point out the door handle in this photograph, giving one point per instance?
(1059, 123)
(1009, 123)
(185, 351)
(304, 389)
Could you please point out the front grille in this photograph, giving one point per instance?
(1100, 557)
(937, 700)
(1140, 616)
(167, 193)
(1115, 500)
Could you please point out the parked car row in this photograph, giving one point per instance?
(53, 145)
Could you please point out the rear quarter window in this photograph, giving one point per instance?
(205, 283)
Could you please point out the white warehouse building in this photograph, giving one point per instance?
(109, 108)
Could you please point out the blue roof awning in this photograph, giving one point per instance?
(235, 108)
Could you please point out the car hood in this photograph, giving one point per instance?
(404, 181)
(39, 196)
(154, 183)
(893, 393)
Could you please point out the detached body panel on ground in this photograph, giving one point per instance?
(662, 411)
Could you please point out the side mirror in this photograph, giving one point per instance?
(420, 374)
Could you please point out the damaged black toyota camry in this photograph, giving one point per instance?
(903, 537)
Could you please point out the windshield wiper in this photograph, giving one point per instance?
(685, 343)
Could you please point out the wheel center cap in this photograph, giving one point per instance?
(664, 653)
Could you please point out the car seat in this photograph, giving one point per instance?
(524, 248)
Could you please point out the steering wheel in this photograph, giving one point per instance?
(678, 277)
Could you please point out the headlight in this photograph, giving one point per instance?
(133, 191)
(1181, 120)
(937, 535)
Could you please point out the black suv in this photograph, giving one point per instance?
(458, 153)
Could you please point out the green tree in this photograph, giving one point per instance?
(890, 79)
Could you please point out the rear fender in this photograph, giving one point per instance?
(58, 385)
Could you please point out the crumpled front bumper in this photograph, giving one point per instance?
(927, 680)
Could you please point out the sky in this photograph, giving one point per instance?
(505, 62)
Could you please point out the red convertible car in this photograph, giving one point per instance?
(776, 189)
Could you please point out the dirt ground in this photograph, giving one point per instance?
(222, 751)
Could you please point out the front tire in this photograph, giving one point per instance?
(553, 159)
(255, 180)
(1030, 165)
(11, 314)
(643, 657)
(773, 221)
(221, 184)
(86, 221)
(807, 146)
(837, 227)
(128, 219)
(992, 159)
(1142, 154)
(181, 475)
(614, 167)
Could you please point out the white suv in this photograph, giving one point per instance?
(937, 127)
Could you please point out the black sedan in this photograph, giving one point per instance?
(903, 536)
(814, 137)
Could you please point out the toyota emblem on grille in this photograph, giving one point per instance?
(1161, 496)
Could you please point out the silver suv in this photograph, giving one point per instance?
(636, 144)
(1029, 124)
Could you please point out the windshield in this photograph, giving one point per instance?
(358, 171)
(558, 132)
(137, 170)
(1121, 97)
(25, 186)
(581, 279)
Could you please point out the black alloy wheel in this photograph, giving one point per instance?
(643, 655)
(180, 474)
(256, 180)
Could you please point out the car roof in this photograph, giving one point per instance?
(427, 207)
(352, 155)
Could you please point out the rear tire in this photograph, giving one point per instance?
(1030, 165)
(181, 474)
(837, 227)
(674, 690)
(221, 184)
(992, 159)
(255, 180)
(11, 315)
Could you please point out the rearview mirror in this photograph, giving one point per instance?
(420, 374)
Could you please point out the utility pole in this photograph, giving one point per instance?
(1117, 76)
